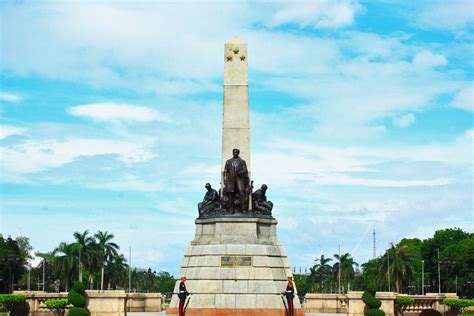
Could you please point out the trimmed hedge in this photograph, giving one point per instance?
(77, 297)
(78, 311)
(372, 303)
(56, 304)
(15, 304)
(458, 304)
(404, 301)
(375, 312)
(12, 298)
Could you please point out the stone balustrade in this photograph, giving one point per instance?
(352, 304)
(107, 303)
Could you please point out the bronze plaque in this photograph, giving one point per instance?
(236, 261)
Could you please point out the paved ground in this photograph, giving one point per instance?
(162, 314)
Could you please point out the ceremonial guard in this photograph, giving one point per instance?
(183, 294)
(290, 295)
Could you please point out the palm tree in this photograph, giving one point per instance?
(65, 261)
(346, 264)
(83, 247)
(106, 251)
(117, 271)
(321, 270)
(401, 264)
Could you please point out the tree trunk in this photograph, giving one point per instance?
(102, 278)
(80, 267)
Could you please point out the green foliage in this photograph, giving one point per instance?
(370, 300)
(404, 301)
(15, 303)
(12, 298)
(16, 250)
(78, 311)
(76, 299)
(375, 312)
(458, 304)
(79, 288)
(56, 304)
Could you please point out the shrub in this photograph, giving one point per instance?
(458, 305)
(375, 312)
(77, 297)
(370, 300)
(401, 303)
(79, 288)
(12, 298)
(15, 303)
(404, 300)
(77, 311)
(372, 303)
(57, 306)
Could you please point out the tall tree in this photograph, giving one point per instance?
(346, 263)
(83, 246)
(106, 250)
(321, 270)
(66, 261)
(401, 264)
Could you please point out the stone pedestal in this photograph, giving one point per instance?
(235, 266)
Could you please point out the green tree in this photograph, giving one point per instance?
(65, 261)
(106, 251)
(83, 247)
(401, 265)
(347, 268)
(320, 272)
(13, 260)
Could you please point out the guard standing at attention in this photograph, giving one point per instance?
(290, 295)
(183, 294)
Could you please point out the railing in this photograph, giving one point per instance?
(352, 304)
(107, 303)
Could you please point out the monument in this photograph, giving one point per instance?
(235, 264)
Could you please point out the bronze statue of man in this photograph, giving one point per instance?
(260, 202)
(236, 178)
(209, 202)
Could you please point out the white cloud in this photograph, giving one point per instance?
(10, 97)
(428, 59)
(6, 130)
(104, 112)
(318, 14)
(36, 156)
(404, 120)
(451, 15)
(464, 99)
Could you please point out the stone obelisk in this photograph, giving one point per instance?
(235, 264)
(235, 122)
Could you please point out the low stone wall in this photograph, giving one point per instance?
(352, 304)
(325, 303)
(107, 303)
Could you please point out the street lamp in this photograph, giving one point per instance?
(422, 277)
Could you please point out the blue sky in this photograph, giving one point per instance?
(361, 118)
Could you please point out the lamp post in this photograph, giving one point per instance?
(388, 268)
(422, 277)
(439, 275)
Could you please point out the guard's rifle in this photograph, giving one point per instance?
(186, 303)
(284, 303)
